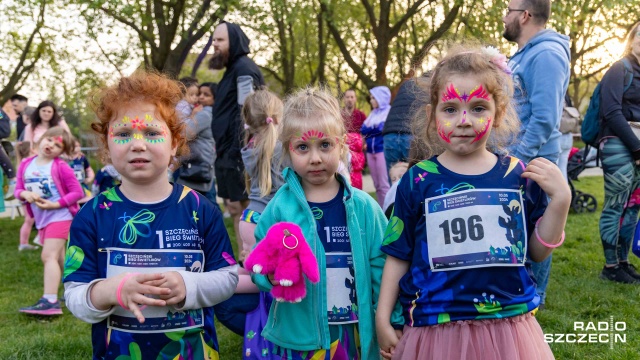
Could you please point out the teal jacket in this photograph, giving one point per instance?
(304, 326)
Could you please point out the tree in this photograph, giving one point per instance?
(295, 29)
(385, 26)
(166, 30)
(21, 52)
(590, 28)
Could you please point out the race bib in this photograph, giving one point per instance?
(39, 186)
(157, 318)
(341, 289)
(79, 175)
(476, 228)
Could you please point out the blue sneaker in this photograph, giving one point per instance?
(43, 307)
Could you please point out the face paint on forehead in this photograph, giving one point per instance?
(483, 131)
(139, 124)
(453, 94)
(479, 92)
(312, 135)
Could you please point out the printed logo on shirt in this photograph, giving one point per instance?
(180, 238)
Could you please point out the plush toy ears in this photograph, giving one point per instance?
(289, 233)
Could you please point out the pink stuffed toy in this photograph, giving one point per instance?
(284, 252)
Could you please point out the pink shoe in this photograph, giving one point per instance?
(43, 307)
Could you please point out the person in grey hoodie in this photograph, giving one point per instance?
(541, 76)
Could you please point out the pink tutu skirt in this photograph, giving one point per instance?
(514, 338)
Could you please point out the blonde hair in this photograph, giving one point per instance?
(634, 29)
(258, 107)
(312, 108)
(67, 139)
(397, 170)
(469, 60)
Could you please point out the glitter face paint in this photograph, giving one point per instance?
(301, 143)
(443, 130)
(483, 131)
(451, 93)
(145, 130)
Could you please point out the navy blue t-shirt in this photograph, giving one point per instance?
(331, 221)
(112, 234)
(465, 237)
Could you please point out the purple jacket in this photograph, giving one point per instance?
(65, 180)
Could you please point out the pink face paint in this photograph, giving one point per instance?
(451, 94)
(444, 135)
(464, 117)
(480, 93)
(483, 131)
(138, 123)
(312, 135)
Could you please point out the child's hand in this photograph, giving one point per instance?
(196, 109)
(29, 196)
(548, 176)
(388, 338)
(178, 291)
(274, 282)
(243, 255)
(134, 288)
(45, 204)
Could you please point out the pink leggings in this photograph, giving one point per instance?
(378, 168)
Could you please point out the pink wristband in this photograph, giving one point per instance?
(119, 290)
(551, 246)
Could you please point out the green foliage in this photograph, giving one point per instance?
(575, 293)
(25, 41)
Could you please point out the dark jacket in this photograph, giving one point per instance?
(617, 108)
(227, 124)
(409, 98)
(5, 125)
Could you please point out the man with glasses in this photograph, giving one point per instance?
(541, 77)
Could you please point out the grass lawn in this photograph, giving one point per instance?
(575, 294)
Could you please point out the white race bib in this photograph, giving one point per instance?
(79, 175)
(341, 289)
(157, 318)
(39, 186)
(476, 228)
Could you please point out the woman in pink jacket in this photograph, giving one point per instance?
(52, 191)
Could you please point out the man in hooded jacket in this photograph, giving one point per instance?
(541, 76)
(241, 77)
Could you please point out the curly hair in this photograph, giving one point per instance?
(142, 86)
(468, 60)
